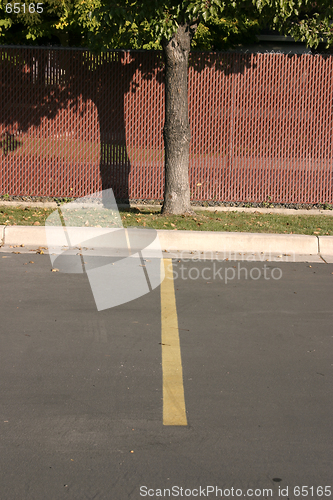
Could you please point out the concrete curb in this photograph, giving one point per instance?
(326, 245)
(325, 248)
(24, 235)
(214, 241)
(200, 241)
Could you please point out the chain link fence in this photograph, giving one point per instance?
(72, 122)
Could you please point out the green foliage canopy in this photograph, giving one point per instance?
(305, 20)
(66, 22)
(218, 24)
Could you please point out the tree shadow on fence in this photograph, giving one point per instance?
(38, 83)
(227, 62)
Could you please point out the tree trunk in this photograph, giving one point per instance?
(177, 133)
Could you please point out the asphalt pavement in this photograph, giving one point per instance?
(82, 390)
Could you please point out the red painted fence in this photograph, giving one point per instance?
(72, 123)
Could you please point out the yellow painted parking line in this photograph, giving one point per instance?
(174, 412)
(128, 242)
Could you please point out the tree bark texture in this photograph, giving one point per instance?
(177, 133)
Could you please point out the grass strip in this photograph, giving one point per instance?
(202, 221)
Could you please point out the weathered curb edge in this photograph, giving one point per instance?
(325, 245)
(199, 241)
(206, 241)
(325, 248)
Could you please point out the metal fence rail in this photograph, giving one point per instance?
(72, 123)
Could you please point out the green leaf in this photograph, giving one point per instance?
(212, 10)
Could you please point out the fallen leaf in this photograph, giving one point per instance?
(37, 223)
(31, 262)
(54, 270)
